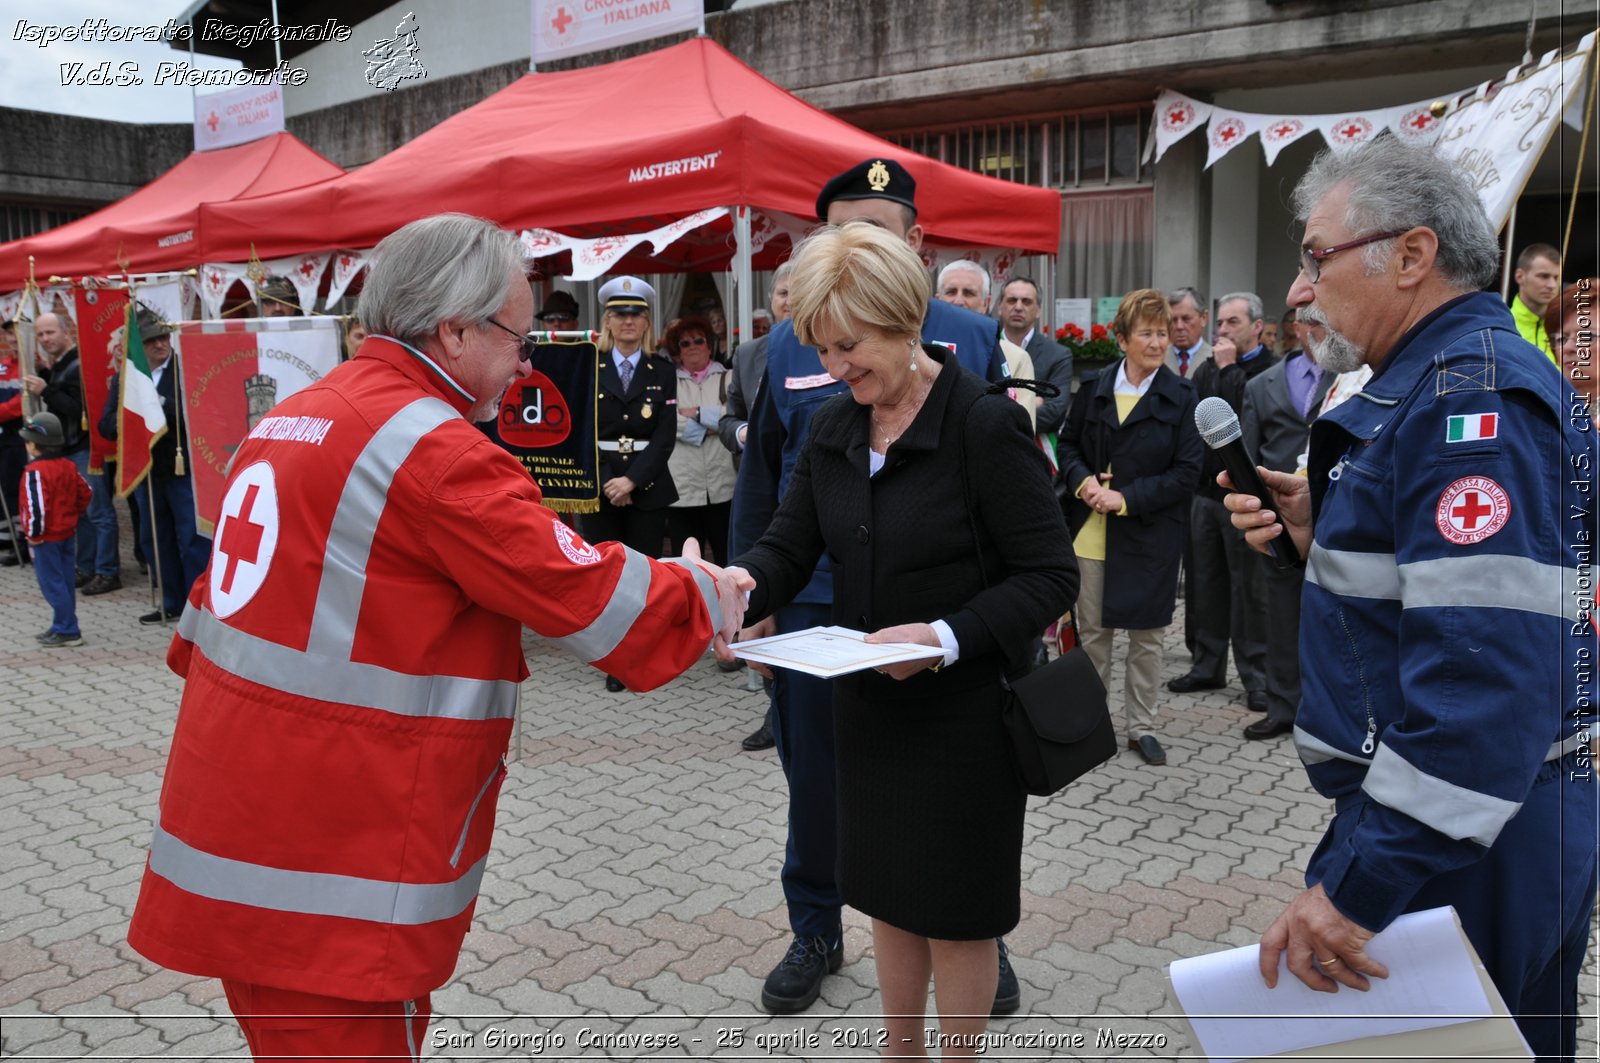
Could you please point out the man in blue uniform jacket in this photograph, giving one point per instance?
(879, 191)
(1446, 646)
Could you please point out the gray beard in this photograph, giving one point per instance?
(1334, 352)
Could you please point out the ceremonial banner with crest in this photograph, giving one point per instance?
(233, 373)
(548, 422)
(100, 312)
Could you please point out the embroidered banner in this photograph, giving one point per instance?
(548, 422)
(232, 374)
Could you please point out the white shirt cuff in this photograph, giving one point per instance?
(947, 639)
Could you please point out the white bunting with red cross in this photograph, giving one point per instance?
(1472, 509)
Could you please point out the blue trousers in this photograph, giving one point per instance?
(97, 531)
(55, 566)
(803, 706)
(1526, 905)
(180, 552)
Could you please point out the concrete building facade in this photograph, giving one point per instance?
(1052, 92)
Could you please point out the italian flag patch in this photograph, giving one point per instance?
(1472, 426)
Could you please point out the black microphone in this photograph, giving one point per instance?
(1219, 427)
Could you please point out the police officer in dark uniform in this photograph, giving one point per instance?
(636, 426)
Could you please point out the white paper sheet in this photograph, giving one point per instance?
(827, 652)
(1432, 982)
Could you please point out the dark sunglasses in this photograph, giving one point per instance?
(528, 345)
(692, 341)
(564, 318)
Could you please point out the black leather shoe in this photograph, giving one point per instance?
(1188, 684)
(1268, 728)
(9, 560)
(761, 739)
(1148, 748)
(614, 684)
(156, 617)
(101, 585)
(1256, 701)
(1007, 994)
(84, 578)
(796, 982)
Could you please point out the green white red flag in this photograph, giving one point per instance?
(140, 419)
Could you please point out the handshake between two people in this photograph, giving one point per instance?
(733, 588)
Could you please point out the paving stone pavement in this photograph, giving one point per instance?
(632, 902)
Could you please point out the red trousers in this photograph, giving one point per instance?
(281, 1024)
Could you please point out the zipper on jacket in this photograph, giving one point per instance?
(1371, 741)
(411, 1037)
(472, 810)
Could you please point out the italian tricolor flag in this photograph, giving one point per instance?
(140, 420)
(1467, 427)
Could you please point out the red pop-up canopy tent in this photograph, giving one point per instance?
(624, 148)
(155, 228)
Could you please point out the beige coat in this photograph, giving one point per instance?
(702, 468)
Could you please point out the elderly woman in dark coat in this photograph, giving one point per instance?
(927, 493)
(1130, 459)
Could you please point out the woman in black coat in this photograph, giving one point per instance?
(1130, 460)
(937, 512)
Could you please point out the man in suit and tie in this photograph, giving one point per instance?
(1019, 316)
(1279, 405)
(1189, 316)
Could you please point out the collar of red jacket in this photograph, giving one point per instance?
(419, 367)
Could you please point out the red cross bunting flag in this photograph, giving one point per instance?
(234, 372)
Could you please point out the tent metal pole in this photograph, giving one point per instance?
(742, 273)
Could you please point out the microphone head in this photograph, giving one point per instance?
(1216, 421)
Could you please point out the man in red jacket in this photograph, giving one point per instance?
(352, 657)
(54, 496)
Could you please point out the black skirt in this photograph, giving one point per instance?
(930, 806)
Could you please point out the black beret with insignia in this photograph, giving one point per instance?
(872, 179)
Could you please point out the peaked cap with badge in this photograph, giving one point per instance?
(870, 179)
(618, 293)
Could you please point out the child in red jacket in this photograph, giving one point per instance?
(54, 496)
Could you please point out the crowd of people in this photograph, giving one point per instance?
(870, 460)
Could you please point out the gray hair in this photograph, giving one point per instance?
(448, 267)
(783, 270)
(1252, 303)
(1178, 295)
(1398, 186)
(966, 264)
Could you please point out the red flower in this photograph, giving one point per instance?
(1098, 332)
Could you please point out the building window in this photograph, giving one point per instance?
(19, 220)
(1080, 151)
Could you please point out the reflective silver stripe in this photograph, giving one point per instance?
(1561, 749)
(1353, 574)
(324, 670)
(1452, 810)
(361, 504)
(1314, 750)
(345, 682)
(472, 810)
(708, 589)
(310, 893)
(608, 629)
(411, 1037)
(1485, 581)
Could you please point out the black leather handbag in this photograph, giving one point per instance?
(1056, 715)
(1059, 725)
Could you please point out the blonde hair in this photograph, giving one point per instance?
(647, 341)
(1140, 306)
(861, 272)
